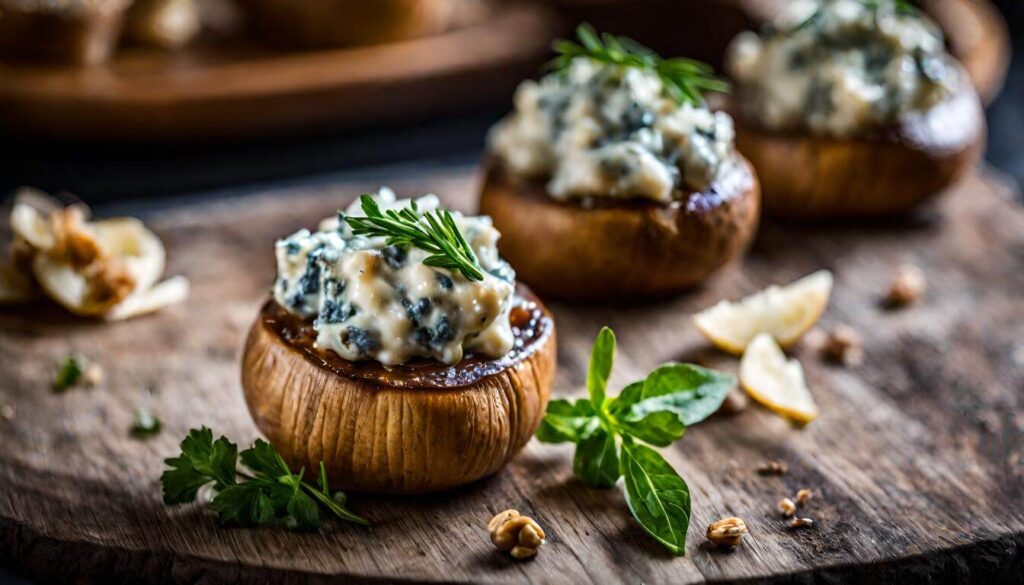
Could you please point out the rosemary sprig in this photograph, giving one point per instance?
(685, 80)
(901, 7)
(433, 231)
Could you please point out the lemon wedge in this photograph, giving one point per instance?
(785, 313)
(775, 382)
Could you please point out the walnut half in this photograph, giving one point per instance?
(517, 534)
(727, 532)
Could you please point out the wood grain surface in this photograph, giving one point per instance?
(917, 459)
(239, 89)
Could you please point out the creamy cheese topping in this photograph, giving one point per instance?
(609, 131)
(838, 67)
(373, 301)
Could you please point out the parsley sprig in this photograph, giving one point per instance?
(433, 231)
(610, 432)
(685, 80)
(267, 492)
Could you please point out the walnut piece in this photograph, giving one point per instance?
(843, 345)
(787, 507)
(772, 468)
(72, 243)
(519, 535)
(801, 523)
(907, 286)
(726, 532)
(803, 495)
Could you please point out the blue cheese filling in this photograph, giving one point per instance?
(374, 301)
(601, 130)
(838, 67)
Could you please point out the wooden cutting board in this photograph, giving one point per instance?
(237, 89)
(917, 459)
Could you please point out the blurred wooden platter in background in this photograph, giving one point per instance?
(241, 89)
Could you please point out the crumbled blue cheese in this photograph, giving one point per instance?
(838, 67)
(373, 301)
(609, 131)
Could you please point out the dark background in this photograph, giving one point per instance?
(104, 172)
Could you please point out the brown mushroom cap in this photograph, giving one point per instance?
(816, 177)
(619, 249)
(418, 427)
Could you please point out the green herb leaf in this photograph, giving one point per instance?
(567, 422)
(602, 356)
(596, 462)
(69, 373)
(658, 428)
(655, 411)
(274, 495)
(264, 459)
(691, 392)
(685, 80)
(434, 232)
(145, 424)
(304, 510)
(658, 498)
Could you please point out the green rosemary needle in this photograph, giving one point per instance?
(433, 231)
(685, 80)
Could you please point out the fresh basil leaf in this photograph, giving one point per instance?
(567, 422)
(691, 392)
(658, 428)
(596, 462)
(657, 497)
(602, 355)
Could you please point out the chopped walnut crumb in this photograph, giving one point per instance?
(735, 402)
(801, 523)
(843, 345)
(772, 468)
(726, 532)
(803, 495)
(93, 374)
(787, 507)
(72, 243)
(517, 534)
(907, 286)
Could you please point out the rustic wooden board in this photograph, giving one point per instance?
(239, 89)
(917, 456)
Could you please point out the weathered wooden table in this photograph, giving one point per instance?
(917, 459)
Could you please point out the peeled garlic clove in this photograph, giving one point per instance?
(169, 292)
(65, 285)
(132, 260)
(30, 225)
(133, 244)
